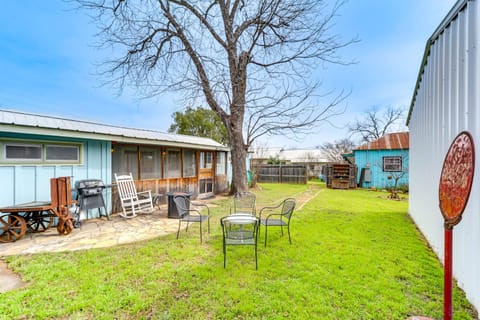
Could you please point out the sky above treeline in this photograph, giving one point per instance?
(48, 65)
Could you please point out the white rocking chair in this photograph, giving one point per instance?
(132, 202)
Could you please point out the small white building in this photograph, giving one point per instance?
(446, 101)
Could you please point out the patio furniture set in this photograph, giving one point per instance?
(240, 227)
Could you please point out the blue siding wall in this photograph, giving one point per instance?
(25, 183)
(374, 160)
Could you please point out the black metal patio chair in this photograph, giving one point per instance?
(243, 203)
(278, 216)
(188, 214)
(239, 229)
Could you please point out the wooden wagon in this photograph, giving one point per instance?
(38, 216)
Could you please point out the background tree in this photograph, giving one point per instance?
(199, 122)
(376, 123)
(250, 61)
(334, 150)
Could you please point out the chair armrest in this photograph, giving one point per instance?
(269, 208)
(198, 204)
(194, 210)
(273, 214)
(144, 194)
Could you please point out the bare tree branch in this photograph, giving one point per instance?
(250, 61)
(376, 124)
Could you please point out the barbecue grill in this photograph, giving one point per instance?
(89, 196)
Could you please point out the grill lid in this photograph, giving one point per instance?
(89, 183)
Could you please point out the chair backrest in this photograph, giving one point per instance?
(126, 186)
(288, 207)
(244, 202)
(182, 204)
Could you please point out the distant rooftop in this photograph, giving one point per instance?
(21, 122)
(390, 141)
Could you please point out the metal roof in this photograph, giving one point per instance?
(452, 15)
(21, 122)
(390, 141)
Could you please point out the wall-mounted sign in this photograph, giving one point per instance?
(456, 179)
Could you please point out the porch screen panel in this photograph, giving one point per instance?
(173, 163)
(150, 164)
(189, 164)
(125, 160)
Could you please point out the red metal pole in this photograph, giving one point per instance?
(447, 276)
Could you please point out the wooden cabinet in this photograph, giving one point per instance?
(341, 176)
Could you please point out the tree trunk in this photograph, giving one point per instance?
(235, 128)
(239, 166)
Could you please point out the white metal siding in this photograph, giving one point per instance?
(446, 102)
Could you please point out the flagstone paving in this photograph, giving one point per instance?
(94, 233)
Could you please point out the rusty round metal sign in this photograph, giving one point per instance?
(456, 179)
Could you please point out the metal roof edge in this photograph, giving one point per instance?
(203, 143)
(451, 15)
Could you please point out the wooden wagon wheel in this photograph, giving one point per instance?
(12, 228)
(65, 225)
(38, 222)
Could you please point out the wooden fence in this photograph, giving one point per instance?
(280, 173)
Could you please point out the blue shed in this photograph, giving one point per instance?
(35, 148)
(382, 161)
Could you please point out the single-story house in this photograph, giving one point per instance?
(381, 161)
(445, 102)
(35, 148)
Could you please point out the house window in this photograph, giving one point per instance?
(62, 153)
(392, 164)
(173, 163)
(221, 168)
(205, 186)
(189, 163)
(23, 152)
(206, 159)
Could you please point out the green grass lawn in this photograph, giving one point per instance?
(355, 255)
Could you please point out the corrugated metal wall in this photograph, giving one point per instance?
(446, 102)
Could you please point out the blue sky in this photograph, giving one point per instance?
(48, 64)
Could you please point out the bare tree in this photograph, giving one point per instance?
(250, 61)
(376, 123)
(334, 150)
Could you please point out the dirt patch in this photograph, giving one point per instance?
(8, 279)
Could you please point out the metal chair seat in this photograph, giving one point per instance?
(274, 222)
